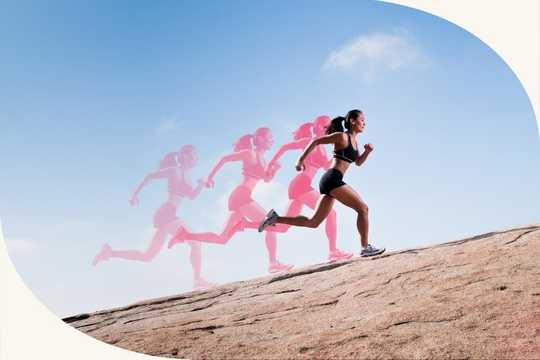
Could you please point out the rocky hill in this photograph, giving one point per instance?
(475, 298)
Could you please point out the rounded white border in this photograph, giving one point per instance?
(511, 29)
(28, 330)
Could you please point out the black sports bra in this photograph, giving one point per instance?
(348, 154)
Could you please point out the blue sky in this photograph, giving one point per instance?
(97, 92)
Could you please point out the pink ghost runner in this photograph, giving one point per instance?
(243, 210)
(175, 169)
(300, 191)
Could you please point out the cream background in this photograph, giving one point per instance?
(512, 30)
(28, 330)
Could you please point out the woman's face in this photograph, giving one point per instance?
(264, 140)
(320, 124)
(188, 158)
(359, 124)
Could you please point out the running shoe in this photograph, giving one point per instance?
(202, 284)
(103, 255)
(339, 255)
(269, 220)
(371, 251)
(277, 267)
(178, 238)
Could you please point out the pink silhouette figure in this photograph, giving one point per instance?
(300, 191)
(244, 212)
(175, 169)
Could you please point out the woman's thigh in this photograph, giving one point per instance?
(310, 198)
(253, 211)
(348, 197)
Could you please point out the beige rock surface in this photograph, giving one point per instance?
(476, 298)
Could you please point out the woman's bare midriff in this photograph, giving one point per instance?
(174, 199)
(310, 171)
(340, 165)
(249, 182)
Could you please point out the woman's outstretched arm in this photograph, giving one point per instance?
(293, 145)
(151, 176)
(273, 165)
(191, 192)
(335, 138)
(236, 156)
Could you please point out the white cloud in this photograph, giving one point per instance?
(271, 195)
(370, 53)
(170, 133)
(167, 126)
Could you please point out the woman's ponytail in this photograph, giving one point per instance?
(336, 125)
(303, 131)
(243, 143)
(169, 160)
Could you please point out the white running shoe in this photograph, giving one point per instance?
(202, 284)
(277, 267)
(339, 255)
(269, 220)
(371, 251)
(103, 255)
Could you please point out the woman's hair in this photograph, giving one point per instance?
(321, 120)
(262, 131)
(184, 150)
(169, 160)
(303, 131)
(247, 141)
(243, 143)
(336, 125)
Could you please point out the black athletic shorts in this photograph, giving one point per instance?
(330, 180)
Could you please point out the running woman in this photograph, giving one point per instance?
(331, 185)
(244, 212)
(300, 191)
(175, 168)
